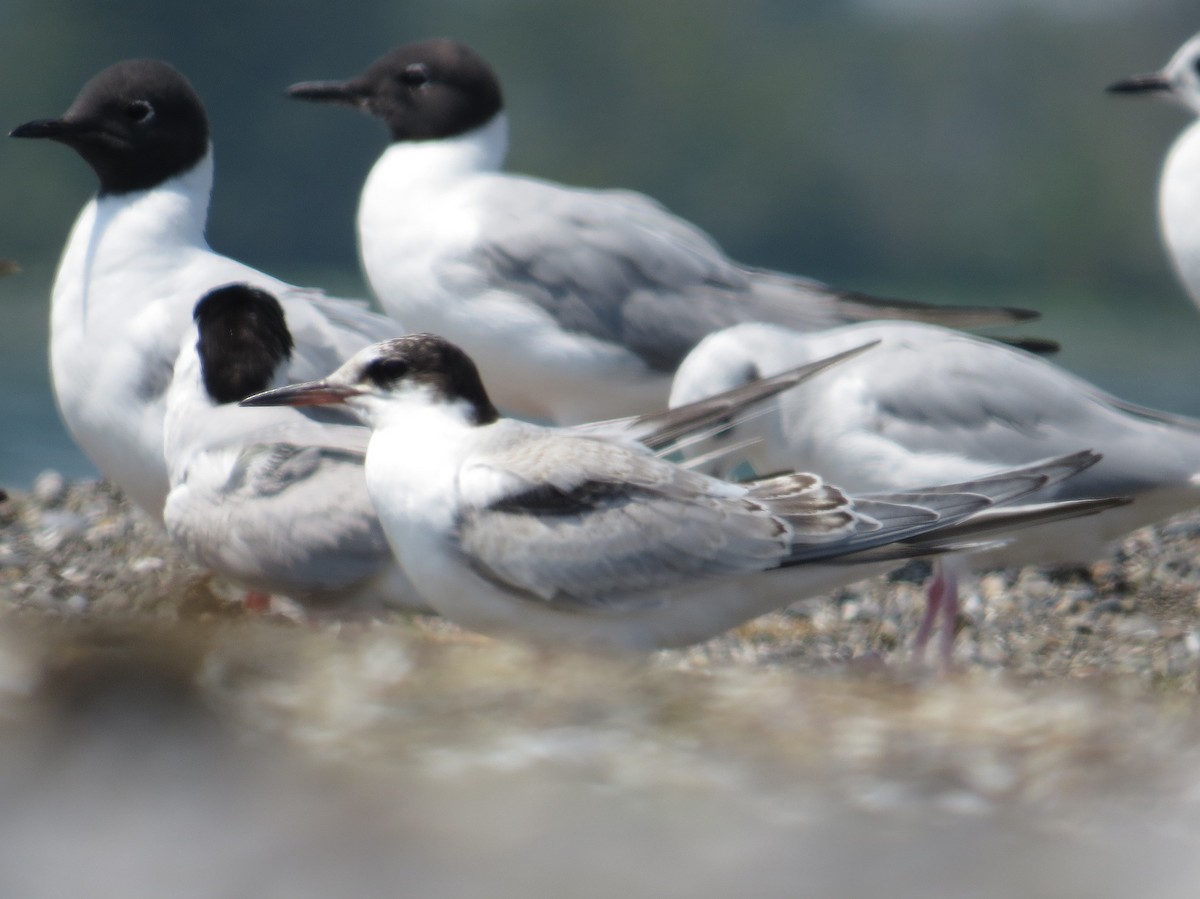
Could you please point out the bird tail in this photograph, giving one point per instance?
(659, 430)
(926, 520)
(971, 535)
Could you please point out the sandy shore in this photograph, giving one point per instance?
(151, 727)
(79, 551)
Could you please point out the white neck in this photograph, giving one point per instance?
(416, 411)
(412, 165)
(174, 211)
(1178, 200)
(412, 463)
(118, 235)
(412, 215)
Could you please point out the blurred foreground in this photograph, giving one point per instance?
(154, 741)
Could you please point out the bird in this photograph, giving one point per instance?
(137, 260)
(576, 304)
(543, 533)
(269, 498)
(931, 403)
(1179, 184)
(277, 501)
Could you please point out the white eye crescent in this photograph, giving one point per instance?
(415, 75)
(139, 111)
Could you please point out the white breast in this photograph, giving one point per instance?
(1179, 208)
(116, 326)
(132, 272)
(419, 227)
(418, 219)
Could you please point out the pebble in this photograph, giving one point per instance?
(825, 703)
(58, 527)
(49, 488)
(80, 547)
(1025, 622)
(1136, 627)
(1184, 529)
(1192, 642)
(145, 564)
(110, 528)
(75, 575)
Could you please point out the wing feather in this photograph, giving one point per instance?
(619, 267)
(289, 516)
(591, 524)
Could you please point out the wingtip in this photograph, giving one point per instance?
(950, 315)
(1023, 315)
(966, 316)
(1038, 346)
(1148, 83)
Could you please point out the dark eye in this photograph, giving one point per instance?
(386, 372)
(415, 75)
(1196, 66)
(139, 111)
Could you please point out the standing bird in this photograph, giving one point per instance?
(929, 403)
(549, 534)
(135, 263)
(1179, 185)
(577, 304)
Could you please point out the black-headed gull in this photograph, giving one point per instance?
(1179, 184)
(136, 262)
(576, 304)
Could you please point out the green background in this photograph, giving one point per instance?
(937, 149)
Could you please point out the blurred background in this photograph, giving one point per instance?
(953, 150)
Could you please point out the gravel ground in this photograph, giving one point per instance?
(168, 744)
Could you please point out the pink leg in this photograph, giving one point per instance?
(256, 602)
(941, 601)
(949, 614)
(933, 604)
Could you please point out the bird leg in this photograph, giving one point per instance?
(941, 600)
(950, 605)
(256, 602)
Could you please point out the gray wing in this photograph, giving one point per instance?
(355, 322)
(823, 307)
(990, 404)
(588, 524)
(303, 513)
(617, 266)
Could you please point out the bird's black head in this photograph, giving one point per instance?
(138, 123)
(433, 362)
(422, 91)
(244, 340)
